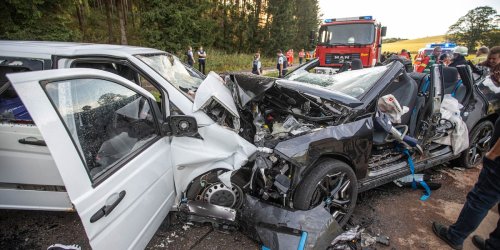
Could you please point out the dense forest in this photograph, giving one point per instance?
(235, 26)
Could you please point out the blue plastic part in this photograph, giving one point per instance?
(459, 82)
(414, 183)
(427, 191)
(265, 248)
(302, 242)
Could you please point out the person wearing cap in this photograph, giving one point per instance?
(459, 56)
(481, 55)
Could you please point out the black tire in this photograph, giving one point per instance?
(478, 145)
(309, 194)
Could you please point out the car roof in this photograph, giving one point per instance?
(45, 49)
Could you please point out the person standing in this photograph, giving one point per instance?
(289, 57)
(428, 61)
(481, 55)
(281, 64)
(459, 56)
(493, 58)
(404, 54)
(190, 56)
(484, 195)
(302, 54)
(256, 65)
(202, 58)
(444, 59)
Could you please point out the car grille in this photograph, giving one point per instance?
(340, 58)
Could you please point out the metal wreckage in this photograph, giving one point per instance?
(319, 145)
(281, 159)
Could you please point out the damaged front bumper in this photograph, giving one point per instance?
(273, 227)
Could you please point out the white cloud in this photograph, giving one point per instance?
(406, 19)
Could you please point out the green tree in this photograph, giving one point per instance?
(50, 20)
(475, 28)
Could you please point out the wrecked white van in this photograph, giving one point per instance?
(121, 151)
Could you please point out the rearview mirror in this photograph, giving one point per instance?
(383, 32)
(181, 125)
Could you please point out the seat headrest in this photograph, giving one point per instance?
(450, 75)
(356, 64)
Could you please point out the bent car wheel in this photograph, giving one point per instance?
(479, 144)
(332, 182)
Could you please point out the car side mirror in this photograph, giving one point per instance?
(180, 125)
(383, 32)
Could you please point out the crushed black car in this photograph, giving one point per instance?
(321, 142)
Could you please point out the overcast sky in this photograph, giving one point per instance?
(404, 18)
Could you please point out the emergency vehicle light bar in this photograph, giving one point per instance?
(442, 45)
(331, 20)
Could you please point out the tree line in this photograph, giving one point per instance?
(479, 27)
(235, 26)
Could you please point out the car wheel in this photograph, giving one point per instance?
(332, 182)
(479, 144)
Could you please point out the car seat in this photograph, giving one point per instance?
(405, 90)
(453, 85)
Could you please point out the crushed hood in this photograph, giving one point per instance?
(247, 87)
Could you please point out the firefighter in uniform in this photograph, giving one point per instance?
(427, 62)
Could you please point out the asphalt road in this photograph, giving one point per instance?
(388, 210)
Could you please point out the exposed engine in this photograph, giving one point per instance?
(268, 114)
(273, 114)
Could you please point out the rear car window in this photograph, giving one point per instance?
(12, 109)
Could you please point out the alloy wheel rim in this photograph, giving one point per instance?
(334, 191)
(480, 145)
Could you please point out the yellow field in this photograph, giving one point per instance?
(412, 45)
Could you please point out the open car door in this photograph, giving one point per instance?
(103, 132)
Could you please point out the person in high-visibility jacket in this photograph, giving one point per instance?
(302, 54)
(289, 57)
(427, 62)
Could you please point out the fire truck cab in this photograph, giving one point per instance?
(344, 39)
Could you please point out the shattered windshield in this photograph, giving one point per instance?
(174, 71)
(354, 83)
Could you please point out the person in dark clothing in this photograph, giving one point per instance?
(484, 195)
(459, 56)
(202, 58)
(444, 59)
(190, 56)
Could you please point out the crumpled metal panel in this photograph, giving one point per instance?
(220, 148)
(213, 88)
(352, 140)
(247, 87)
(280, 228)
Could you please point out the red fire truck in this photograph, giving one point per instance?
(343, 39)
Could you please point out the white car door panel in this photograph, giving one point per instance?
(98, 164)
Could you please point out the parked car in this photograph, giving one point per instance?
(140, 134)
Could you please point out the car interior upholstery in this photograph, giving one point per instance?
(452, 84)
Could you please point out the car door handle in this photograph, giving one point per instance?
(32, 141)
(107, 209)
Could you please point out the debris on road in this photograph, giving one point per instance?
(355, 236)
